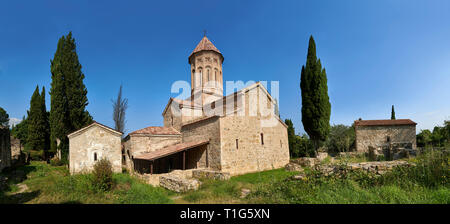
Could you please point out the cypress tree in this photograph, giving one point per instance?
(76, 91)
(393, 113)
(59, 119)
(36, 138)
(45, 123)
(316, 107)
(68, 94)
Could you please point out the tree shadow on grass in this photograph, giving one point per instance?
(71, 202)
(18, 198)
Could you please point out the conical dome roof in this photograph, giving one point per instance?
(205, 45)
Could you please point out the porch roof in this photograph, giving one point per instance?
(172, 149)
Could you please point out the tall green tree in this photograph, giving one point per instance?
(4, 118)
(37, 125)
(424, 138)
(393, 113)
(316, 107)
(68, 94)
(45, 123)
(292, 139)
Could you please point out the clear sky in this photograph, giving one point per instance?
(376, 53)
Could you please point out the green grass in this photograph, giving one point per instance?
(427, 182)
(48, 184)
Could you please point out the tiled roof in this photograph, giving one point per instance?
(384, 122)
(205, 45)
(90, 125)
(186, 102)
(157, 131)
(172, 149)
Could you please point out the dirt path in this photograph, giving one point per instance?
(22, 188)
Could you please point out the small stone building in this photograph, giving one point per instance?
(5, 148)
(381, 134)
(92, 143)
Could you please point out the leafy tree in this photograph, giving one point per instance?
(316, 107)
(292, 139)
(37, 124)
(341, 138)
(393, 113)
(305, 146)
(119, 108)
(437, 136)
(68, 94)
(4, 118)
(20, 131)
(447, 132)
(424, 138)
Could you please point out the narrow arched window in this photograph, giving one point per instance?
(95, 156)
(200, 77)
(262, 139)
(209, 76)
(215, 78)
(193, 79)
(237, 143)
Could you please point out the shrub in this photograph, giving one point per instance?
(431, 170)
(103, 175)
(55, 161)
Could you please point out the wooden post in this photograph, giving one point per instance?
(151, 167)
(207, 164)
(184, 159)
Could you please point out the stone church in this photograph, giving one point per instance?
(238, 133)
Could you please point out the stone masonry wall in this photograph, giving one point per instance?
(376, 136)
(205, 129)
(94, 140)
(250, 155)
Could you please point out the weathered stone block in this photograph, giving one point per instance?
(321, 156)
(210, 174)
(178, 184)
(306, 161)
(293, 167)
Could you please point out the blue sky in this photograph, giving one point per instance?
(376, 53)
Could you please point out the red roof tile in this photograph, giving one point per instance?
(157, 131)
(205, 45)
(172, 149)
(384, 122)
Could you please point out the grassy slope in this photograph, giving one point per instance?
(49, 184)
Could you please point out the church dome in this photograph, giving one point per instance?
(205, 45)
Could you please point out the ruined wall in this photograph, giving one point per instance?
(376, 136)
(94, 140)
(205, 129)
(16, 148)
(5, 148)
(250, 155)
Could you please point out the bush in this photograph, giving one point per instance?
(103, 175)
(55, 161)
